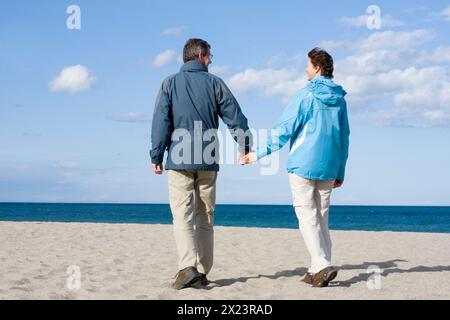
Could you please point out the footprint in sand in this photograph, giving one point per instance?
(26, 289)
(115, 291)
(21, 282)
(93, 289)
(53, 273)
(57, 296)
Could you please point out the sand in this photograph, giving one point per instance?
(131, 261)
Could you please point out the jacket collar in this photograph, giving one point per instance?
(194, 65)
(320, 79)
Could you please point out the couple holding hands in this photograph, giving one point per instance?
(315, 123)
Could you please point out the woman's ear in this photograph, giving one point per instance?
(318, 69)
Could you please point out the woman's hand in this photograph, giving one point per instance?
(338, 183)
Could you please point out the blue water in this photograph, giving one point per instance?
(370, 218)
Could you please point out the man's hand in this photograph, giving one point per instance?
(338, 183)
(239, 158)
(158, 168)
(249, 158)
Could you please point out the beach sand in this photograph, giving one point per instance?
(131, 261)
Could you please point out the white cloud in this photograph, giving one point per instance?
(164, 58)
(388, 22)
(272, 82)
(73, 79)
(253, 78)
(384, 51)
(434, 114)
(392, 78)
(394, 40)
(438, 55)
(331, 45)
(409, 88)
(361, 21)
(287, 88)
(130, 117)
(399, 82)
(174, 31)
(444, 13)
(219, 69)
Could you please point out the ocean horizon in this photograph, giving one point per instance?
(342, 217)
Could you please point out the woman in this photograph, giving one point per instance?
(316, 124)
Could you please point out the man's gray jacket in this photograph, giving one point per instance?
(186, 119)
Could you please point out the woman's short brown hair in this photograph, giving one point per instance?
(321, 58)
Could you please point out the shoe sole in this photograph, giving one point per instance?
(190, 281)
(200, 284)
(328, 278)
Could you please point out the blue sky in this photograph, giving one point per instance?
(87, 140)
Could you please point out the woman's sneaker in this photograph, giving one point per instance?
(308, 278)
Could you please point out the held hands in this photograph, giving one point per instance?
(248, 158)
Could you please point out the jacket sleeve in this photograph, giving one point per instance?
(162, 124)
(230, 112)
(345, 133)
(289, 123)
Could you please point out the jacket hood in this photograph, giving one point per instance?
(325, 90)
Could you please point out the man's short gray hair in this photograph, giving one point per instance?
(193, 48)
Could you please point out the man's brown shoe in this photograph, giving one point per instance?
(308, 278)
(185, 278)
(202, 282)
(322, 278)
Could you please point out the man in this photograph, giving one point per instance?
(187, 109)
(316, 124)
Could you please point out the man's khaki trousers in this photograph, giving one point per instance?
(312, 204)
(192, 197)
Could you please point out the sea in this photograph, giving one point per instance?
(367, 218)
